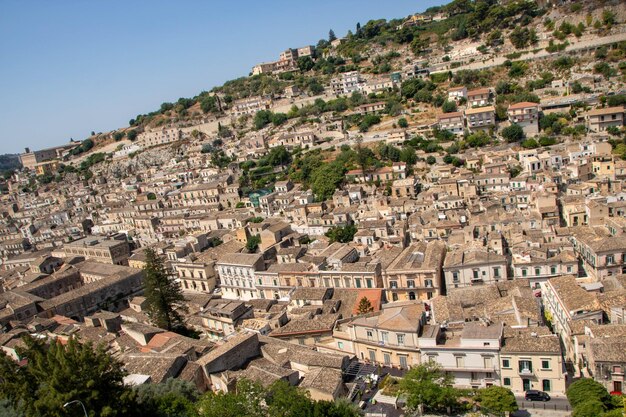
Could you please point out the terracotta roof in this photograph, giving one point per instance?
(522, 105)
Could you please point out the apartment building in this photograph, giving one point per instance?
(452, 122)
(250, 105)
(531, 358)
(110, 251)
(601, 253)
(565, 302)
(478, 97)
(598, 120)
(415, 274)
(236, 272)
(526, 115)
(457, 94)
(158, 137)
(464, 268)
(480, 118)
(196, 272)
(388, 337)
(346, 83)
(469, 353)
(221, 318)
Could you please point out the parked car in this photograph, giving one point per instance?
(534, 395)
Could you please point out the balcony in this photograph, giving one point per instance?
(525, 372)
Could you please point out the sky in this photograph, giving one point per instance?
(69, 67)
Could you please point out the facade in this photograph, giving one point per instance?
(526, 115)
(237, 274)
(158, 137)
(529, 360)
(464, 268)
(478, 97)
(196, 273)
(599, 120)
(452, 122)
(109, 251)
(222, 318)
(250, 106)
(346, 83)
(481, 118)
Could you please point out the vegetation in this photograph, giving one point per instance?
(429, 388)
(365, 306)
(57, 373)
(342, 234)
(496, 399)
(513, 133)
(589, 398)
(253, 243)
(164, 296)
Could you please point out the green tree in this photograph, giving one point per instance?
(365, 306)
(173, 398)
(427, 385)
(449, 106)
(326, 179)
(131, 134)
(246, 401)
(342, 234)
(497, 399)
(587, 389)
(402, 122)
(253, 243)
(305, 63)
(430, 160)
(163, 294)
(56, 374)
(117, 136)
(589, 408)
(331, 35)
(513, 133)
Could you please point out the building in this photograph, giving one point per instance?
(114, 251)
(531, 358)
(526, 115)
(452, 122)
(387, 337)
(598, 120)
(196, 272)
(346, 83)
(463, 268)
(237, 274)
(457, 94)
(29, 159)
(221, 318)
(158, 137)
(415, 274)
(469, 353)
(480, 118)
(250, 105)
(478, 97)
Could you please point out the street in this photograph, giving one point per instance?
(558, 403)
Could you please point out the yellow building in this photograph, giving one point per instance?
(47, 167)
(531, 359)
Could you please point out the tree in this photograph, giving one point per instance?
(587, 389)
(246, 401)
(131, 134)
(253, 243)
(209, 104)
(56, 374)
(117, 136)
(497, 399)
(342, 234)
(402, 122)
(174, 397)
(513, 133)
(430, 160)
(449, 106)
(326, 179)
(331, 35)
(365, 306)
(305, 63)
(428, 386)
(163, 294)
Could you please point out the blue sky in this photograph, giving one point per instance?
(68, 67)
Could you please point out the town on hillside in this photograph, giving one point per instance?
(442, 192)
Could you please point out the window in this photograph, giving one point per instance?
(545, 364)
(496, 272)
(358, 282)
(410, 283)
(460, 362)
(372, 354)
(455, 277)
(428, 283)
(524, 272)
(546, 385)
(507, 381)
(525, 367)
(301, 341)
(537, 271)
(384, 337)
(369, 283)
(403, 362)
(506, 363)
(475, 273)
(393, 284)
(610, 260)
(400, 339)
(370, 335)
(340, 345)
(387, 358)
(617, 369)
(488, 360)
